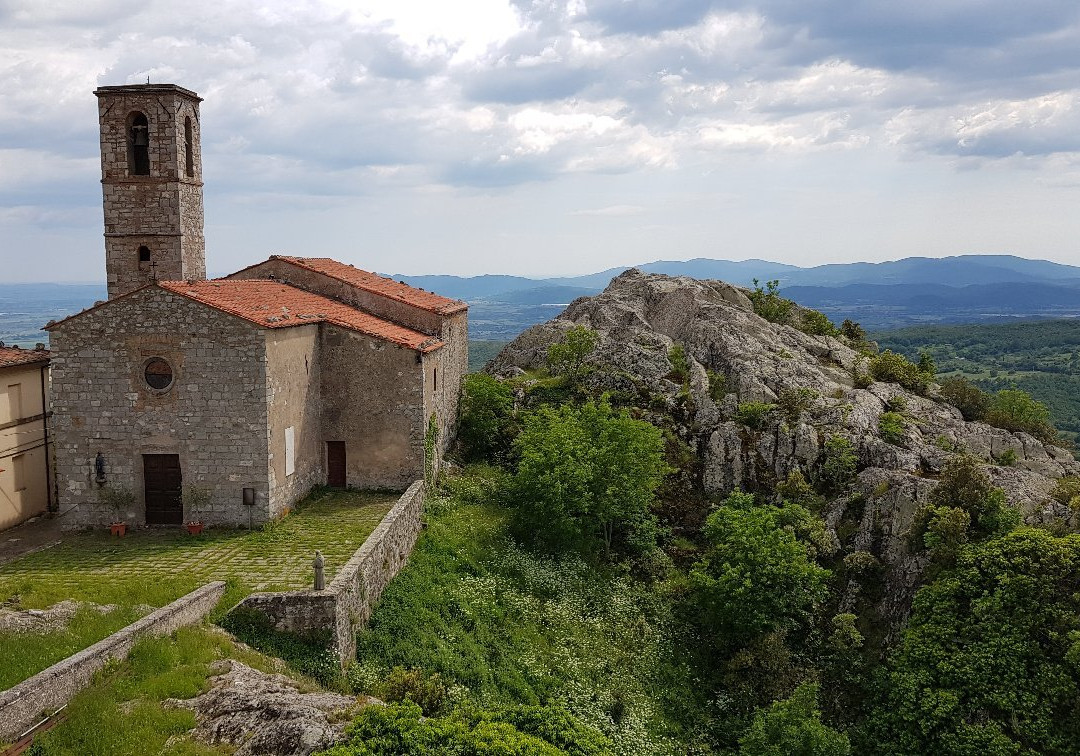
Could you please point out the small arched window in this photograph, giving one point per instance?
(144, 254)
(139, 145)
(189, 157)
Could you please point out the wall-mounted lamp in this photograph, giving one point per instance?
(99, 469)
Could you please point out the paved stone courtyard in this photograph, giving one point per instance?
(148, 566)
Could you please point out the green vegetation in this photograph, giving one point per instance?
(505, 627)
(122, 713)
(587, 476)
(482, 352)
(839, 463)
(769, 304)
(756, 576)
(988, 663)
(793, 726)
(152, 568)
(567, 357)
(895, 368)
(1039, 357)
(27, 653)
(754, 415)
(486, 426)
(510, 731)
(893, 427)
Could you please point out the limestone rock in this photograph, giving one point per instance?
(261, 713)
(641, 316)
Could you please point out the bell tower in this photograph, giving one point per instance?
(151, 181)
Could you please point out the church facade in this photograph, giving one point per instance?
(235, 395)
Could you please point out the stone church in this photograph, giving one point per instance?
(253, 388)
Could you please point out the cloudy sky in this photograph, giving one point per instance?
(553, 137)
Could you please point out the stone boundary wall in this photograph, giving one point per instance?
(347, 602)
(25, 704)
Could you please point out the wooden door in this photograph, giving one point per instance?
(164, 502)
(335, 464)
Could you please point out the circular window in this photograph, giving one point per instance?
(158, 374)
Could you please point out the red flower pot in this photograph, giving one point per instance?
(118, 528)
(194, 528)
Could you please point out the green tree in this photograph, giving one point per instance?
(769, 304)
(567, 355)
(891, 367)
(793, 727)
(961, 393)
(756, 576)
(588, 474)
(839, 462)
(990, 660)
(817, 324)
(486, 418)
(1015, 410)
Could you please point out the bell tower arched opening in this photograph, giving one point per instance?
(138, 145)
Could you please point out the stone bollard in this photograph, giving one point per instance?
(320, 577)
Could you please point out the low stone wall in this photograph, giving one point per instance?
(347, 602)
(23, 705)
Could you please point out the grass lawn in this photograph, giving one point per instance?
(121, 713)
(150, 568)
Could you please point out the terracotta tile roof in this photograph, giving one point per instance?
(272, 304)
(12, 356)
(376, 284)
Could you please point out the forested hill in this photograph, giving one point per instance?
(1041, 357)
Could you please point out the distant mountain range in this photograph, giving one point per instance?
(915, 290)
(967, 288)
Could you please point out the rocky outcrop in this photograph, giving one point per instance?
(261, 713)
(734, 357)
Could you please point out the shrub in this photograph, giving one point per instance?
(588, 474)
(1066, 489)
(1007, 458)
(486, 424)
(717, 386)
(567, 355)
(892, 426)
(1016, 410)
(426, 691)
(816, 324)
(961, 393)
(796, 490)
(754, 414)
(965, 485)
(769, 304)
(839, 463)
(680, 367)
(794, 401)
(793, 726)
(891, 367)
(852, 331)
(756, 576)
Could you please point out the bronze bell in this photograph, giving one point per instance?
(139, 138)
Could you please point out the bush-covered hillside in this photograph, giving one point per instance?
(1041, 357)
(618, 567)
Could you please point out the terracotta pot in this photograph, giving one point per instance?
(194, 528)
(118, 528)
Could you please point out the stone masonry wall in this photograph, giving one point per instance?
(346, 604)
(293, 371)
(214, 415)
(372, 397)
(22, 706)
